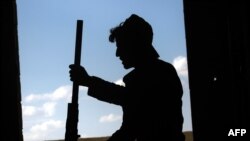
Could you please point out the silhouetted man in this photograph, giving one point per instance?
(151, 98)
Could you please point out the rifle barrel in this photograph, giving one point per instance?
(73, 111)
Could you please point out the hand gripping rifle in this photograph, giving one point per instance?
(72, 116)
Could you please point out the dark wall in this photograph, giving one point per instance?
(10, 96)
(217, 35)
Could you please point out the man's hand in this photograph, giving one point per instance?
(79, 75)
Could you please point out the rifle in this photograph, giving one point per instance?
(71, 133)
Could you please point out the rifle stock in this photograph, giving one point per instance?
(71, 133)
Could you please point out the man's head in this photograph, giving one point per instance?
(133, 39)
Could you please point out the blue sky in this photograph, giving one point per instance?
(46, 30)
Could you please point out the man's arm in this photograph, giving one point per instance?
(98, 88)
(106, 91)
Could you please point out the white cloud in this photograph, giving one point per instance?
(37, 107)
(63, 92)
(120, 82)
(180, 64)
(29, 110)
(32, 97)
(46, 110)
(47, 125)
(41, 130)
(84, 136)
(110, 118)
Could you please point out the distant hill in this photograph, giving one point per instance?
(188, 135)
(94, 139)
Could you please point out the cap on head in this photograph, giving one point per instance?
(136, 30)
(139, 29)
(133, 28)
